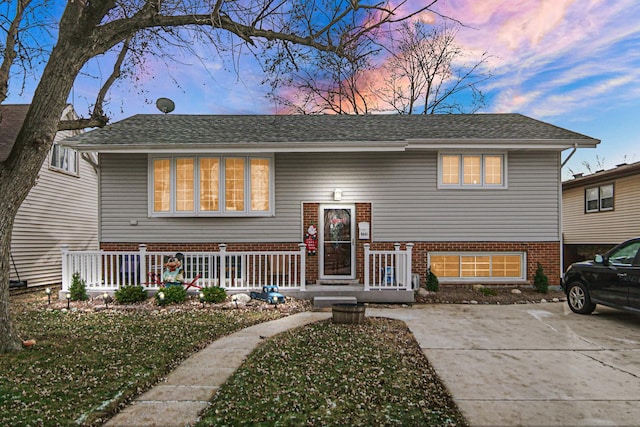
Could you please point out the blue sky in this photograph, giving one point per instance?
(573, 63)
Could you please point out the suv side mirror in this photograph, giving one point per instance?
(599, 259)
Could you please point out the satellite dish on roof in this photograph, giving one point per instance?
(165, 105)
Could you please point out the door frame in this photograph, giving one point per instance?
(352, 208)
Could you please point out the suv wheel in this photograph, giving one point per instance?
(579, 300)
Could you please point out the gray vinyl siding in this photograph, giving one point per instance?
(402, 187)
(60, 209)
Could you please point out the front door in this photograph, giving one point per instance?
(337, 242)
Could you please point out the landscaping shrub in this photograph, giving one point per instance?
(433, 284)
(78, 289)
(540, 281)
(172, 295)
(131, 294)
(488, 291)
(214, 294)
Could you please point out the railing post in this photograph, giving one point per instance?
(366, 267)
(222, 280)
(64, 249)
(397, 273)
(409, 267)
(303, 266)
(143, 263)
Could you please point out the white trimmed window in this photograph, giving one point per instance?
(478, 266)
(64, 159)
(471, 170)
(598, 199)
(211, 186)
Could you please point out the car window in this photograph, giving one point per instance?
(625, 255)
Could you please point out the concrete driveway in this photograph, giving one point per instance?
(533, 364)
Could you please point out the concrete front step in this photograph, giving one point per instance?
(357, 292)
(328, 301)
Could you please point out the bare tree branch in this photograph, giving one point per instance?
(10, 48)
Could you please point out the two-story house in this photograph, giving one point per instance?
(600, 210)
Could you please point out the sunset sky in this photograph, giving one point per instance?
(573, 63)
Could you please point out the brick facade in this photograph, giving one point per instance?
(545, 253)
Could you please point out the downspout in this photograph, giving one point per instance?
(575, 147)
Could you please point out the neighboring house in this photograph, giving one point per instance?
(62, 208)
(477, 195)
(599, 211)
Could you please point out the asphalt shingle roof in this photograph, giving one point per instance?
(11, 118)
(171, 129)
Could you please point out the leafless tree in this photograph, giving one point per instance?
(420, 70)
(85, 30)
(428, 73)
(323, 82)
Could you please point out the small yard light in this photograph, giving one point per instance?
(161, 297)
(48, 292)
(202, 298)
(68, 299)
(105, 297)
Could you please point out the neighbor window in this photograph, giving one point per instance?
(599, 198)
(64, 159)
(494, 267)
(471, 170)
(209, 186)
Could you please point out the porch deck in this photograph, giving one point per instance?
(387, 274)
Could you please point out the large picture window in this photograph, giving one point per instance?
(471, 171)
(210, 186)
(598, 199)
(483, 266)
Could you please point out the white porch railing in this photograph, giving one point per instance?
(109, 270)
(237, 271)
(388, 270)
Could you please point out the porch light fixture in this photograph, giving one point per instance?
(68, 299)
(48, 292)
(337, 194)
(202, 298)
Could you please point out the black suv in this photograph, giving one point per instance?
(612, 279)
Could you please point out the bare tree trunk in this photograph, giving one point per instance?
(20, 171)
(9, 341)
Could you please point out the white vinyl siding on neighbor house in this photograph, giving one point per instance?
(61, 209)
(401, 187)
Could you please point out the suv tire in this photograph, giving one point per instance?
(578, 299)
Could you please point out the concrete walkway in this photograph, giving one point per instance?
(188, 389)
(515, 365)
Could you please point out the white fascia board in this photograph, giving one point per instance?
(331, 147)
(500, 144)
